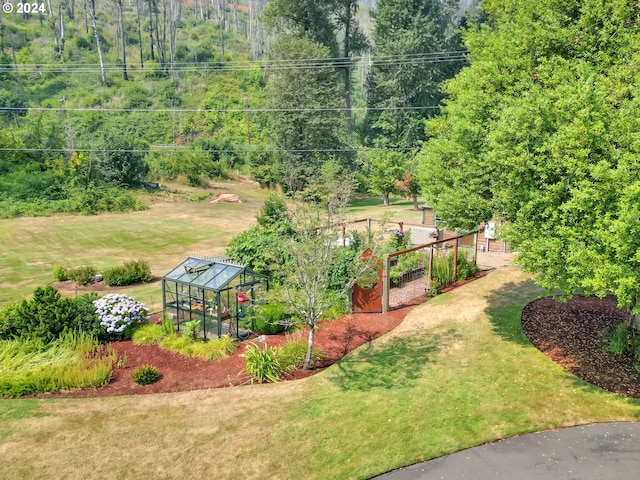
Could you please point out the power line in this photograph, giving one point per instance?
(188, 150)
(210, 110)
(263, 63)
(272, 66)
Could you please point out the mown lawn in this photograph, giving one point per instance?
(458, 372)
(164, 235)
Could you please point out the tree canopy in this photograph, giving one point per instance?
(542, 128)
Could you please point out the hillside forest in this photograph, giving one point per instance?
(101, 99)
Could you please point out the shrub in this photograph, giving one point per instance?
(82, 274)
(61, 273)
(443, 269)
(193, 328)
(119, 313)
(47, 316)
(149, 334)
(271, 318)
(177, 343)
(291, 355)
(132, 271)
(466, 267)
(145, 375)
(261, 364)
(618, 339)
(214, 349)
(72, 361)
(168, 327)
(269, 364)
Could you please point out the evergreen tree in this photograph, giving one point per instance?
(402, 80)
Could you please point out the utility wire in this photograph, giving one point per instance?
(209, 110)
(185, 149)
(225, 67)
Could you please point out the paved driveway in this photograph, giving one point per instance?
(608, 451)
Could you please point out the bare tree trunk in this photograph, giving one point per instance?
(175, 12)
(71, 9)
(94, 24)
(235, 16)
(151, 28)
(385, 199)
(15, 65)
(120, 21)
(86, 18)
(139, 32)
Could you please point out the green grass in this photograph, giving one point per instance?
(399, 209)
(457, 372)
(163, 235)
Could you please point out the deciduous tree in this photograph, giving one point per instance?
(542, 128)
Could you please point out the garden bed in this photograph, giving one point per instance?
(573, 334)
(180, 373)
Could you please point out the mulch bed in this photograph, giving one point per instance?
(180, 373)
(573, 334)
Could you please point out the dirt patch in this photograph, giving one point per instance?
(572, 334)
(226, 197)
(179, 373)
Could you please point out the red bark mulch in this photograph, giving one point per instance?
(180, 373)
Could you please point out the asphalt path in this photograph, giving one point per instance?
(607, 451)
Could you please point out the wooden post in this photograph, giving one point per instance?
(475, 248)
(385, 283)
(401, 225)
(368, 225)
(455, 259)
(344, 232)
(429, 276)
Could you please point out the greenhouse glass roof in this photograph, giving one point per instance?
(210, 273)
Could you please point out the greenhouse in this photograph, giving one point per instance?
(215, 291)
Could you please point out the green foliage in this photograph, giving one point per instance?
(543, 130)
(193, 328)
(81, 275)
(271, 318)
(407, 28)
(61, 273)
(148, 334)
(214, 349)
(145, 375)
(47, 316)
(177, 343)
(291, 355)
(298, 132)
(132, 271)
(259, 249)
(384, 169)
(72, 361)
(466, 267)
(168, 327)
(442, 271)
(261, 365)
(274, 213)
(618, 338)
(269, 364)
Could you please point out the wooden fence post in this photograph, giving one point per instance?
(385, 283)
(455, 259)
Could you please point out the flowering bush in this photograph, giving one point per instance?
(118, 311)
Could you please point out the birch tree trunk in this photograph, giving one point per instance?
(94, 25)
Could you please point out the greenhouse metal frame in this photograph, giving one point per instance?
(212, 290)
